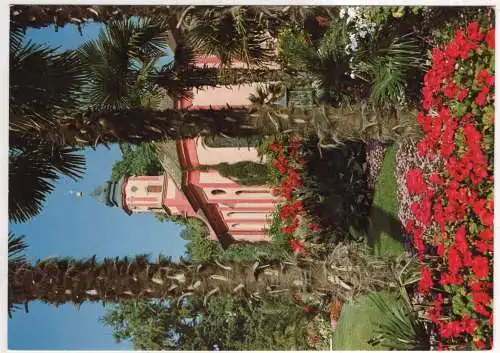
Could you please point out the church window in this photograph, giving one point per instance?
(218, 192)
(153, 188)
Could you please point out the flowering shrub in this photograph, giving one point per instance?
(287, 160)
(453, 227)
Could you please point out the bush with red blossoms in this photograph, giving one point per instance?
(285, 155)
(452, 229)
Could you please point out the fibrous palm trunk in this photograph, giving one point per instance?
(61, 280)
(133, 126)
(211, 76)
(39, 16)
(58, 281)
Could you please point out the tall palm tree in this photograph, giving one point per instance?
(61, 280)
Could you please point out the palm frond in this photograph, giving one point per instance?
(230, 34)
(16, 248)
(42, 80)
(124, 53)
(33, 173)
(402, 330)
(387, 69)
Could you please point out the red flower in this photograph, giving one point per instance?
(315, 340)
(454, 261)
(464, 93)
(450, 329)
(479, 344)
(473, 32)
(450, 90)
(297, 247)
(275, 147)
(480, 266)
(425, 283)
(314, 227)
(484, 78)
(290, 229)
(490, 38)
(486, 234)
(415, 182)
(481, 96)
(298, 297)
(435, 179)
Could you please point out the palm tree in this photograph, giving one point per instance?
(42, 82)
(230, 33)
(61, 280)
(182, 74)
(16, 247)
(119, 62)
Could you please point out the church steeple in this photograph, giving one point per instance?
(110, 193)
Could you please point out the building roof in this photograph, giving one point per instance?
(169, 159)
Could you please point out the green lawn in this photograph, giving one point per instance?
(357, 324)
(385, 232)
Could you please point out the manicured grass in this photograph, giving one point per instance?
(385, 232)
(357, 324)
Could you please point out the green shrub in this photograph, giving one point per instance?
(244, 172)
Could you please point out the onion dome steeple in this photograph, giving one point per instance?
(110, 193)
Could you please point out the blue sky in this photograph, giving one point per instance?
(81, 228)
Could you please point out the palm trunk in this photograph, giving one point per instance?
(38, 16)
(234, 76)
(347, 272)
(135, 126)
(58, 281)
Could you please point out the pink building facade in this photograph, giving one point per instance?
(232, 212)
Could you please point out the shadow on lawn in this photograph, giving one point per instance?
(339, 199)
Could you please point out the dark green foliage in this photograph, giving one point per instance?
(244, 172)
(231, 323)
(336, 192)
(200, 248)
(152, 325)
(275, 323)
(119, 64)
(230, 34)
(140, 160)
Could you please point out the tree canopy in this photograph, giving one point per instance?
(226, 322)
(136, 160)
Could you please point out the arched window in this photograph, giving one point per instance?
(153, 188)
(218, 192)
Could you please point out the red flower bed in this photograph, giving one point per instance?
(452, 229)
(287, 159)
